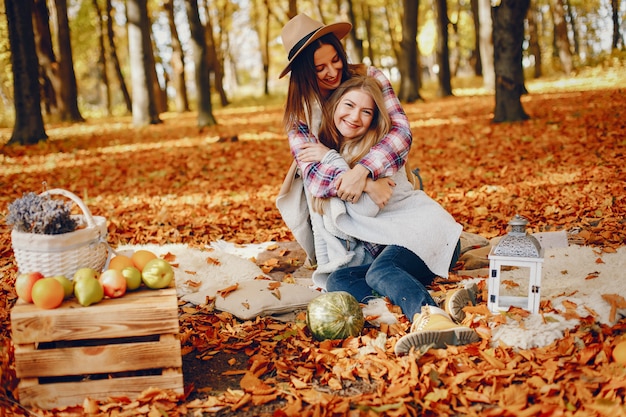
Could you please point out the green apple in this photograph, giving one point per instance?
(68, 285)
(133, 277)
(85, 273)
(88, 291)
(157, 273)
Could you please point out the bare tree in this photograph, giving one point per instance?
(486, 44)
(177, 61)
(574, 27)
(408, 59)
(102, 61)
(200, 60)
(367, 23)
(357, 44)
(560, 36)
(476, 57)
(260, 19)
(28, 128)
(533, 40)
(508, 35)
(113, 56)
(617, 36)
(69, 90)
(393, 15)
(214, 56)
(139, 47)
(48, 65)
(443, 52)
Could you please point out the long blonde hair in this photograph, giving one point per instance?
(355, 149)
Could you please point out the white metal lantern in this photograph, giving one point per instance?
(519, 249)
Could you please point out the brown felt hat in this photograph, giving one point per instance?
(301, 31)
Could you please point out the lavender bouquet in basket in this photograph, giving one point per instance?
(34, 213)
(48, 238)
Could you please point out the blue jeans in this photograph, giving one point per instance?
(396, 273)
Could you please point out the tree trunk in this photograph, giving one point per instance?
(486, 44)
(508, 35)
(574, 27)
(69, 89)
(395, 43)
(262, 30)
(408, 59)
(158, 93)
(181, 100)
(102, 61)
(533, 41)
(216, 65)
(357, 44)
(48, 65)
(28, 128)
(293, 9)
(367, 22)
(266, 54)
(476, 58)
(617, 37)
(455, 54)
(113, 56)
(560, 35)
(443, 52)
(143, 104)
(199, 48)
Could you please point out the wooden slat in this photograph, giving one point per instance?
(100, 359)
(116, 337)
(48, 396)
(138, 313)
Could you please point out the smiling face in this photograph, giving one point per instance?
(354, 114)
(328, 67)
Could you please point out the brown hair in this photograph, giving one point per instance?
(304, 93)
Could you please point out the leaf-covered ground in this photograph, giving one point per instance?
(168, 183)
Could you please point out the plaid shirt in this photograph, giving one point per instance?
(384, 159)
(373, 248)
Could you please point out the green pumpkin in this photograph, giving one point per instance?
(334, 315)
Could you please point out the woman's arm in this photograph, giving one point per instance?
(319, 178)
(390, 154)
(379, 191)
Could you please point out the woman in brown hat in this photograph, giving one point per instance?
(318, 64)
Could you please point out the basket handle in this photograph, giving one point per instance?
(58, 191)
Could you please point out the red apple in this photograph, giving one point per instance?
(24, 285)
(113, 283)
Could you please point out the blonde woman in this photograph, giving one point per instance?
(393, 248)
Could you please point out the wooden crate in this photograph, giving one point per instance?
(118, 347)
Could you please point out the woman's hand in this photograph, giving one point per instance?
(380, 190)
(351, 184)
(312, 152)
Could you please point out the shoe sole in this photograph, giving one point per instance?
(437, 339)
(455, 303)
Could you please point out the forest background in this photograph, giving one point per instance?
(235, 46)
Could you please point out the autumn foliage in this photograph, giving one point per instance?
(563, 170)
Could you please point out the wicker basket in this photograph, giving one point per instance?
(65, 253)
